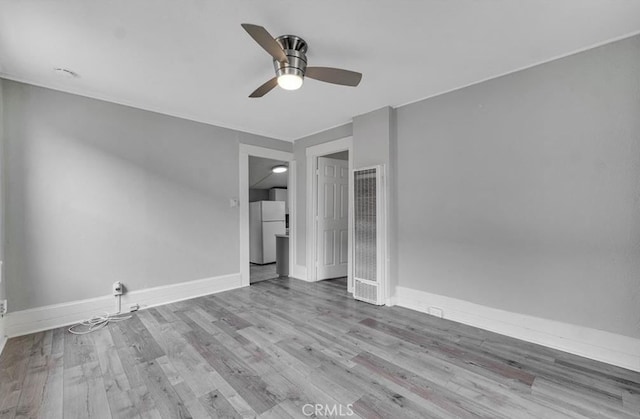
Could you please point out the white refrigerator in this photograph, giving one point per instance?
(266, 219)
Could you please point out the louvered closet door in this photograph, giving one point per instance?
(333, 215)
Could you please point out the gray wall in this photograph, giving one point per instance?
(371, 137)
(374, 143)
(341, 155)
(266, 142)
(2, 182)
(522, 193)
(299, 155)
(99, 192)
(2, 187)
(258, 195)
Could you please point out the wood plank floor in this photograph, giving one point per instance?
(268, 350)
(259, 273)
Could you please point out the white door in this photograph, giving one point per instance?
(332, 211)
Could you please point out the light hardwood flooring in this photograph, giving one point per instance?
(259, 273)
(269, 349)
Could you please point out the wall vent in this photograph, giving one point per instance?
(369, 242)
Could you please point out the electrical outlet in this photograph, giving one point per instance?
(3, 307)
(118, 288)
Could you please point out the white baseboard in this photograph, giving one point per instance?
(3, 337)
(622, 351)
(300, 272)
(48, 317)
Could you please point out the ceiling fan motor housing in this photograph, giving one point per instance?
(295, 48)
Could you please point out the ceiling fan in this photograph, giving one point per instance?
(290, 63)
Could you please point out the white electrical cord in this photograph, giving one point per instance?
(98, 322)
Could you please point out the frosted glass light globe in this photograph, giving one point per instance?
(279, 169)
(290, 81)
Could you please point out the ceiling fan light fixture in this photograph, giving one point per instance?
(289, 54)
(290, 81)
(279, 168)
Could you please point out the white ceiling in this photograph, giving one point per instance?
(261, 176)
(192, 59)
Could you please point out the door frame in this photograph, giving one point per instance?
(312, 153)
(247, 150)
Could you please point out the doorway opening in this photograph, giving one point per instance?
(332, 216)
(260, 168)
(268, 219)
(329, 215)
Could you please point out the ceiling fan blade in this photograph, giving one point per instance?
(265, 88)
(334, 75)
(266, 41)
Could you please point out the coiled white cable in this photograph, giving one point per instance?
(98, 322)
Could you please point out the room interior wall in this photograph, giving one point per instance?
(373, 143)
(262, 141)
(518, 193)
(374, 138)
(99, 192)
(258, 195)
(2, 203)
(522, 193)
(371, 137)
(299, 151)
(341, 155)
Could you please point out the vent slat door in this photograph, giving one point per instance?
(365, 235)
